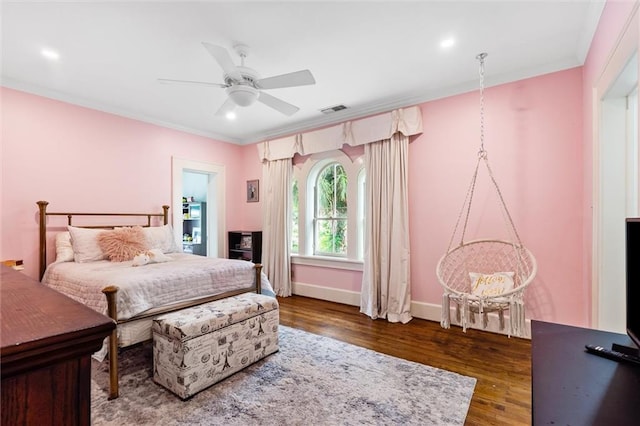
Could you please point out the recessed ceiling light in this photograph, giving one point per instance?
(50, 54)
(231, 115)
(447, 43)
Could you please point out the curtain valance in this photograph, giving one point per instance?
(407, 121)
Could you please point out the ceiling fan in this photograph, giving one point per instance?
(244, 86)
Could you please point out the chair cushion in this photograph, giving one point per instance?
(489, 285)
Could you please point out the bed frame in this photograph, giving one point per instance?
(110, 292)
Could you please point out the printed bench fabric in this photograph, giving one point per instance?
(197, 347)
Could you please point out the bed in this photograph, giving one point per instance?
(132, 293)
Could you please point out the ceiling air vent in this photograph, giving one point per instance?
(333, 109)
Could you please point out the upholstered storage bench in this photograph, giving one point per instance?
(199, 346)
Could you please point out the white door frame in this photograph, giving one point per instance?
(216, 202)
(610, 138)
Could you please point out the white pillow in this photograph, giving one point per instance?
(161, 237)
(64, 250)
(85, 244)
(489, 285)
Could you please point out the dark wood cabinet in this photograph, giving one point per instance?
(246, 245)
(45, 356)
(572, 386)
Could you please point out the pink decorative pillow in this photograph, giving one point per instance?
(122, 244)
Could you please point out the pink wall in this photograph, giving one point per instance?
(251, 170)
(534, 138)
(80, 159)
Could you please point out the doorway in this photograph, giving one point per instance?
(195, 232)
(617, 194)
(208, 180)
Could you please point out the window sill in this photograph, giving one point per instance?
(327, 262)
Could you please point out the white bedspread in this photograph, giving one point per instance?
(185, 277)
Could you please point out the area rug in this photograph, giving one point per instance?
(312, 380)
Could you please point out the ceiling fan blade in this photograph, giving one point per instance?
(221, 55)
(226, 107)
(198, 83)
(278, 104)
(292, 79)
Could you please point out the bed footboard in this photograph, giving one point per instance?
(112, 310)
(258, 278)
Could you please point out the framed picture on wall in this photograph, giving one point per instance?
(253, 191)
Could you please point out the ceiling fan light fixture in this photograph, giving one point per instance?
(243, 95)
(244, 86)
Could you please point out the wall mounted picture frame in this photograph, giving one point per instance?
(253, 191)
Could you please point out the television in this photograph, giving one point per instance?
(628, 352)
(633, 279)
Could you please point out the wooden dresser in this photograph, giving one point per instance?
(46, 344)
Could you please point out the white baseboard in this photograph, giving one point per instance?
(422, 310)
(326, 293)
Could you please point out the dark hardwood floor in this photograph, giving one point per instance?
(501, 365)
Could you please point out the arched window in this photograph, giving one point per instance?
(330, 218)
(327, 210)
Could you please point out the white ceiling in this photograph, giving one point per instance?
(372, 56)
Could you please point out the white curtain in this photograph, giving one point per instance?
(386, 287)
(277, 224)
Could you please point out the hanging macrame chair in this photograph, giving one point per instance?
(493, 259)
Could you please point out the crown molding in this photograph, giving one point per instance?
(110, 109)
(352, 113)
(389, 104)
